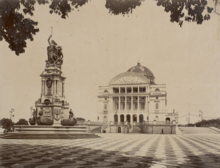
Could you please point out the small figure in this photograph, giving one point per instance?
(71, 115)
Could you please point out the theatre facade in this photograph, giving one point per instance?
(134, 97)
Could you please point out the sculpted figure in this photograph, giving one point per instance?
(33, 120)
(69, 122)
(54, 52)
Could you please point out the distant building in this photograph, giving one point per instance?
(133, 96)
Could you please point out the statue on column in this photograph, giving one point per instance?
(54, 52)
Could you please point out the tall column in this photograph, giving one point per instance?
(119, 103)
(54, 88)
(138, 103)
(42, 89)
(63, 89)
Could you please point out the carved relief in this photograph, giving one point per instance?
(129, 79)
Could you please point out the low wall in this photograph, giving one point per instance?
(94, 129)
(159, 129)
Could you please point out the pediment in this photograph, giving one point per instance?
(129, 78)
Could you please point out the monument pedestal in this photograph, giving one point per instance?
(52, 107)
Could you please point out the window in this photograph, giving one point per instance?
(142, 89)
(122, 90)
(105, 106)
(128, 90)
(157, 106)
(115, 90)
(135, 90)
(157, 90)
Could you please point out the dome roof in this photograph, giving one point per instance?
(143, 70)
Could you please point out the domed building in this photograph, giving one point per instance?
(133, 96)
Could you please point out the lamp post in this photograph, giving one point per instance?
(12, 115)
(201, 114)
(31, 111)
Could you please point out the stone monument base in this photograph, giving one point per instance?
(49, 132)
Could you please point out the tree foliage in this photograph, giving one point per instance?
(209, 123)
(7, 124)
(22, 122)
(16, 26)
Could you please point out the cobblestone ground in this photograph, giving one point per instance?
(114, 150)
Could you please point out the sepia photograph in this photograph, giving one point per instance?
(110, 83)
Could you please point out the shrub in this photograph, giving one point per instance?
(22, 122)
(7, 124)
(67, 122)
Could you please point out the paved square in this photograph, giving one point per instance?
(114, 150)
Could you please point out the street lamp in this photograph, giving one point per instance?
(31, 111)
(12, 115)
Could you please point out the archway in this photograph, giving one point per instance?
(119, 129)
(121, 118)
(141, 118)
(168, 120)
(115, 118)
(134, 118)
(128, 118)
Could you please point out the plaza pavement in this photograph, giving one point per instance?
(114, 150)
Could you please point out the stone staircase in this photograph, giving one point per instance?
(197, 130)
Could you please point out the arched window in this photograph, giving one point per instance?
(121, 118)
(157, 106)
(168, 120)
(115, 118)
(157, 90)
(141, 118)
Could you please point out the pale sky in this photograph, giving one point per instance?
(97, 46)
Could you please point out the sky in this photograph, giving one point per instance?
(97, 46)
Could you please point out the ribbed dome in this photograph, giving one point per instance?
(143, 70)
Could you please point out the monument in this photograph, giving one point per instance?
(51, 107)
(52, 118)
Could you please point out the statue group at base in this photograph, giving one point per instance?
(44, 121)
(71, 121)
(39, 120)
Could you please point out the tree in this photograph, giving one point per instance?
(22, 122)
(7, 124)
(16, 29)
(80, 119)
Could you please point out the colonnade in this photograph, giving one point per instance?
(130, 103)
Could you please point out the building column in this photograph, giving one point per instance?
(132, 103)
(125, 103)
(119, 103)
(131, 118)
(138, 103)
(146, 103)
